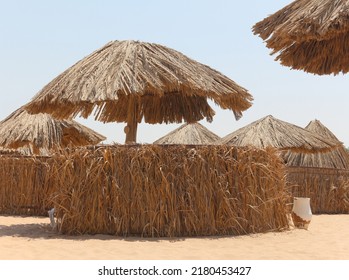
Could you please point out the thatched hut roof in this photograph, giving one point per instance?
(39, 133)
(317, 127)
(194, 133)
(272, 132)
(336, 158)
(128, 81)
(311, 35)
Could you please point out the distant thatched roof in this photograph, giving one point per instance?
(312, 35)
(40, 133)
(317, 127)
(272, 132)
(128, 81)
(194, 133)
(336, 158)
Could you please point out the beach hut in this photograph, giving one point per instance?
(132, 81)
(311, 35)
(336, 158)
(272, 132)
(194, 133)
(40, 133)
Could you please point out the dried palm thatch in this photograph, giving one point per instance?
(171, 190)
(328, 188)
(4, 151)
(40, 133)
(336, 158)
(194, 133)
(311, 35)
(127, 81)
(317, 127)
(324, 177)
(272, 132)
(25, 187)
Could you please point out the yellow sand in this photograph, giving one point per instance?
(32, 238)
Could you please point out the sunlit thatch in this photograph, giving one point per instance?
(39, 133)
(172, 191)
(272, 132)
(327, 188)
(131, 81)
(336, 158)
(194, 133)
(312, 35)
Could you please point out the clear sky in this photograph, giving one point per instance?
(41, 38)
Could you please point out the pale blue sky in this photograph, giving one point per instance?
(40, 39)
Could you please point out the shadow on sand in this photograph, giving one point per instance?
(39, 230)
(45, 231)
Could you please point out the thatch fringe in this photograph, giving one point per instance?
(309, 35)
(170, 191)
(318, 57)
(328, 188)
(305, 20)
(336, 158)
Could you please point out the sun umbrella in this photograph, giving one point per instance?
(311, 35)
(39, 133)
(272, 132)
(128, 81)
(336, 158)
(194, 133)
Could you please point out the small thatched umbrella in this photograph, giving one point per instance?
(311, 35)
(194, 133)
(39, 133)
(272, 132)
(336, 158)
(127, 81)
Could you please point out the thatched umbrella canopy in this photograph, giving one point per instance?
(272, 132)
(336, 158)
(194, 133)
(311, 35)
(127, 81)
(39, 133)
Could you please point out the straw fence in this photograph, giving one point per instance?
(25, 186)
(327, 188)
(170, 191)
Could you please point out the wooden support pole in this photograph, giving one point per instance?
(132, 121)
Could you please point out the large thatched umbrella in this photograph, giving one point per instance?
(312, 35)
(336, 158)
(127, 81)
(39, 133)
(272, 132)
(194, 133)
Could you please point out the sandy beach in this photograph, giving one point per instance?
(31, 238)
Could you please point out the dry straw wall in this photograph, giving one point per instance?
(170, 191)
(328, 188)
(25, 187)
